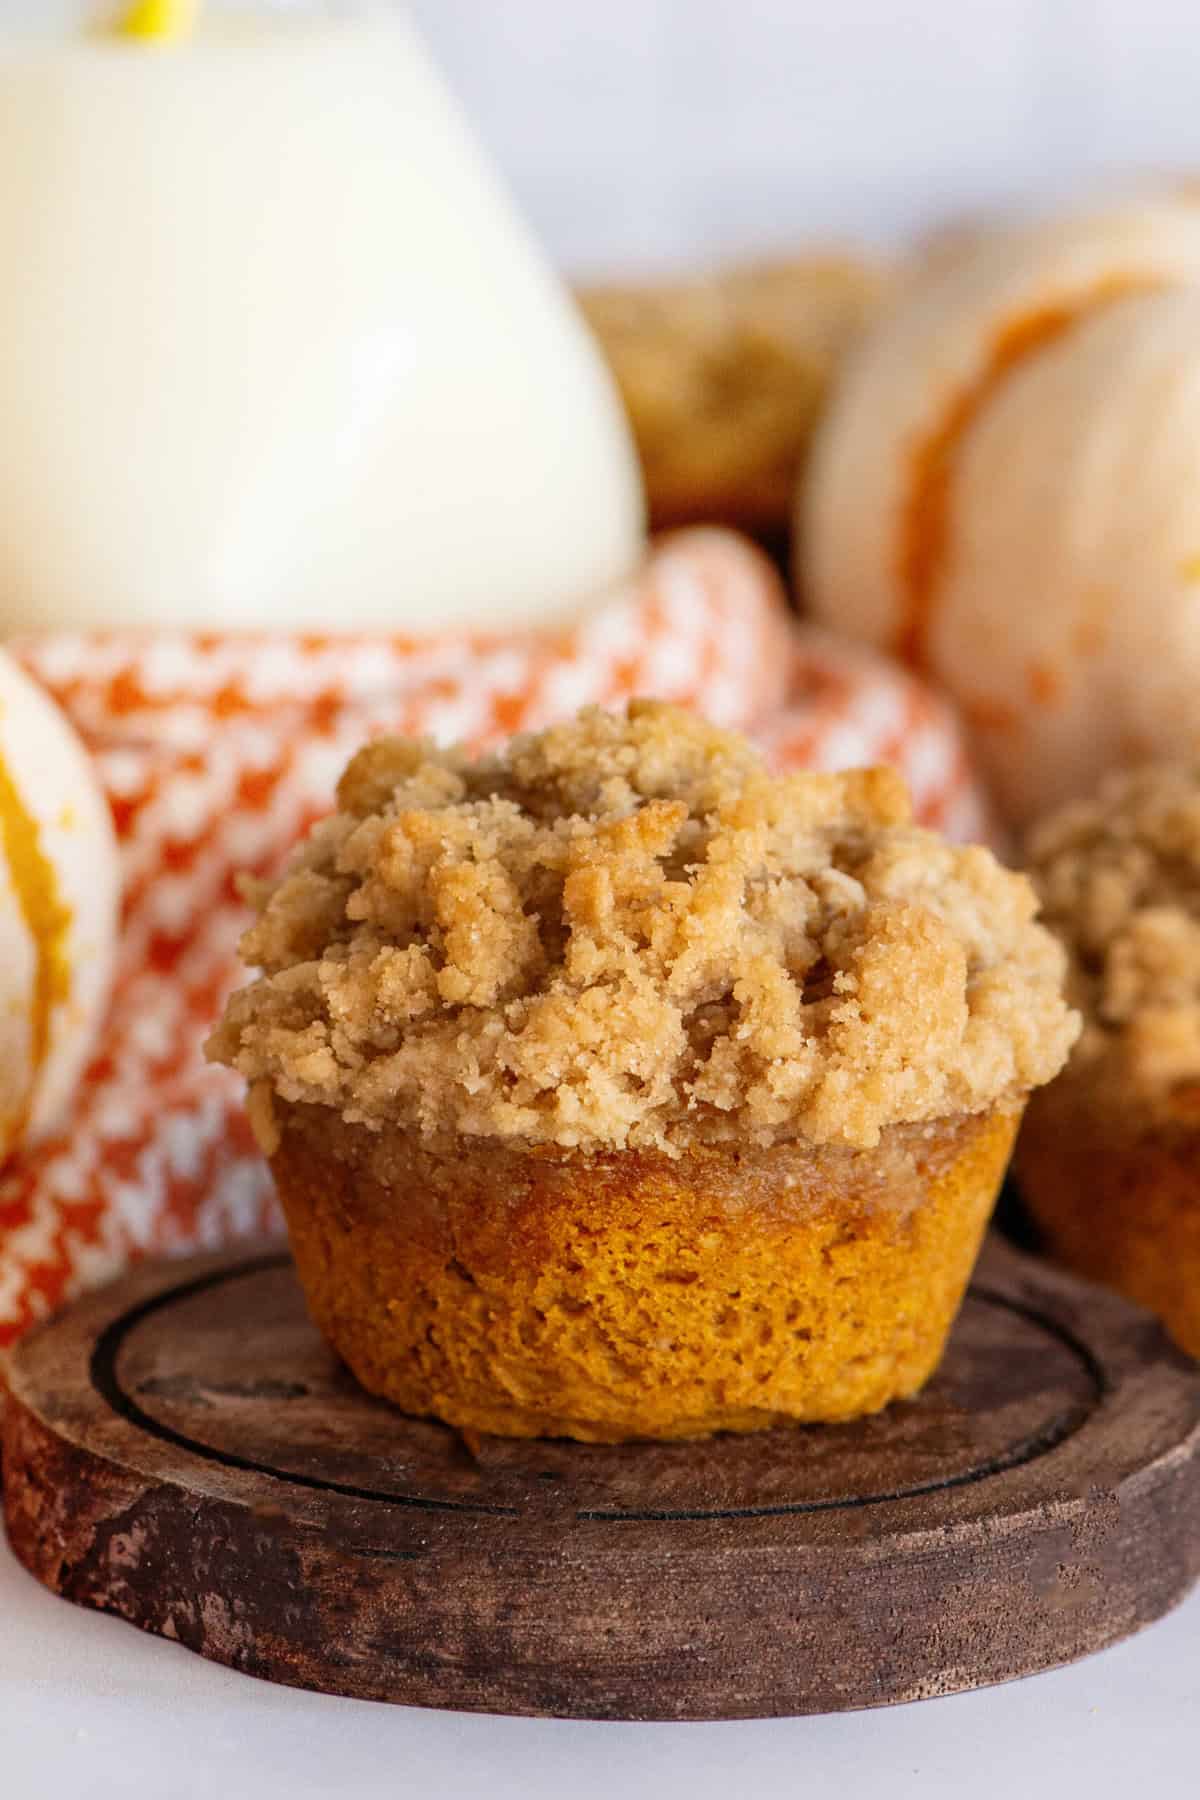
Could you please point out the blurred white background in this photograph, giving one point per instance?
(641, 132)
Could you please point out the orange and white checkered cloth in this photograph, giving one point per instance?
(218, 752)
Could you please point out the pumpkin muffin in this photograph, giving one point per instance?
(1109, 1156)
(725, 376)
(615, 1087)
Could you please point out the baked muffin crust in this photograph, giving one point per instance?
(625, 933)
(627, 1293)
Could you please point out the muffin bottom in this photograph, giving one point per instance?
(1117, 1198)
(540, 1292)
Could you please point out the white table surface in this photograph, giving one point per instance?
(91, 1709)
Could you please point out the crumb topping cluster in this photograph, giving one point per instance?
(1119, 877)
(626, 932)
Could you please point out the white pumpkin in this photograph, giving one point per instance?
(1007, 493)
(58, 909)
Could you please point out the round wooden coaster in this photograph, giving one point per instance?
(183, 1450)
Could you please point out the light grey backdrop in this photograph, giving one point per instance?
(643, 131)
(652, 131)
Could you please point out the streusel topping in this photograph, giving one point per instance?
(1119, 877)
(625, 931)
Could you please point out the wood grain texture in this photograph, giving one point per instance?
(181, 1449)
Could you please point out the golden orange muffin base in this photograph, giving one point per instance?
(539, 1292)
(1116, 1193)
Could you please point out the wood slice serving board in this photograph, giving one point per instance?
(181, 1449)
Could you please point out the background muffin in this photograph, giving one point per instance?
(725, 376)
(1109, 1156)
(617, 1087)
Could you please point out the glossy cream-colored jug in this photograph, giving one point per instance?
(275, 349)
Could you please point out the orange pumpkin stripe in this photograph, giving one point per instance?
(926, 515)
(47, 919)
